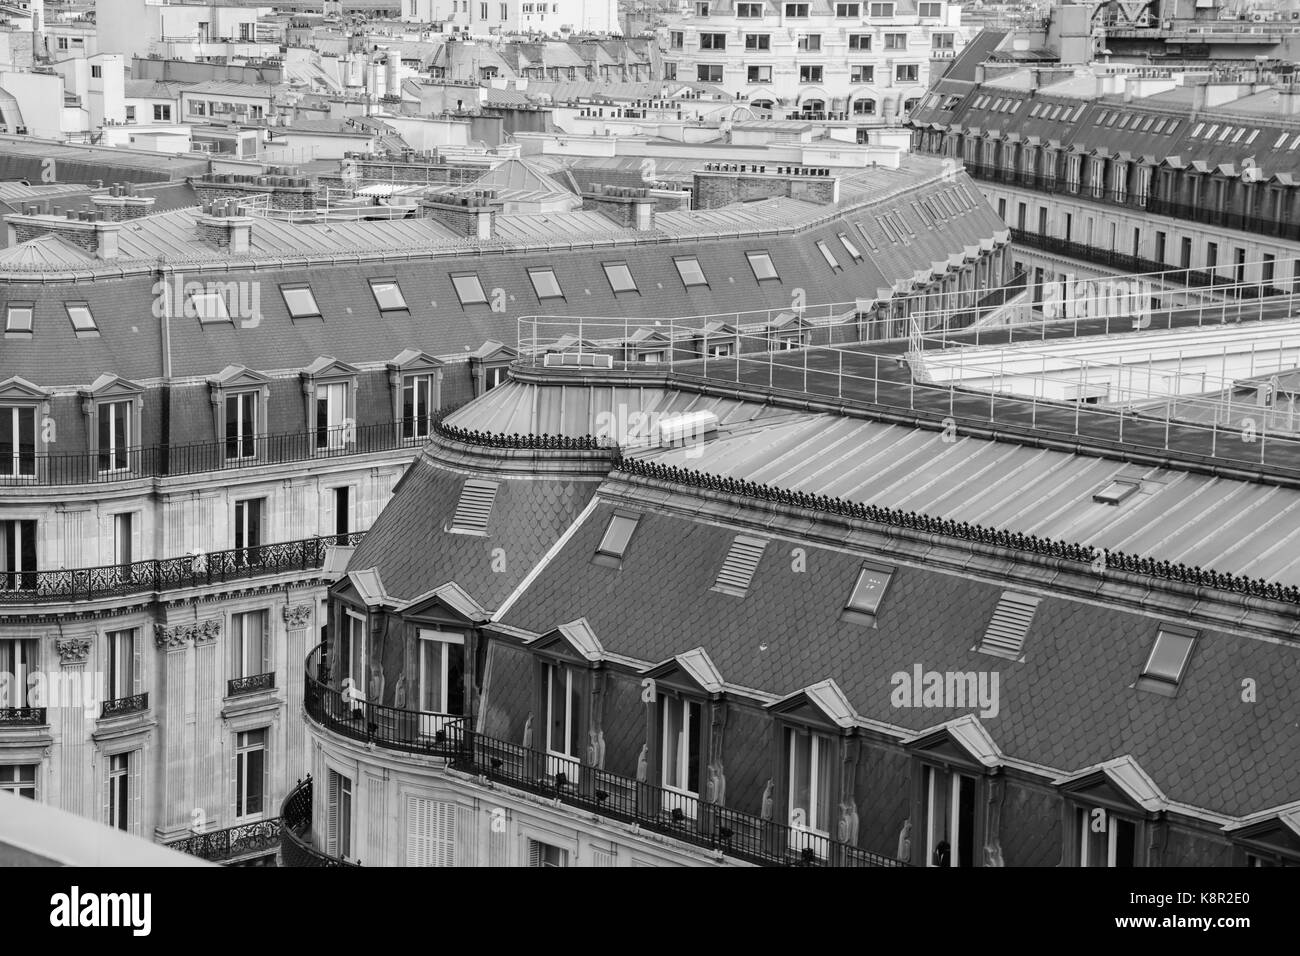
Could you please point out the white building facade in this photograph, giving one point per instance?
(516, 16)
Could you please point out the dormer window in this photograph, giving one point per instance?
(809, 768)
(18, 319)
(681, 729)
(617, 535)
(388, 295)
(562, 706)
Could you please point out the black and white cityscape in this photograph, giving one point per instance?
(622, 433)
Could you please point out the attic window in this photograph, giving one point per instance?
(1280, 140)
(468, 289)
(868, 591)
(829, 256)
(1173, 127)
(689, 269)
(850, 248)
(474, 507)
(1251, 138)
(1197, 132)
(1167, 662)
(740, 564)
(1033, 110)
(388, 295)
(83, 323)
(1005, 635)
(209, 308)
(1116, 491)
(545, 284)
(867, 236)
(617, 534)
(619, 276)
(300, 301)
(18, 318)
(762, 265)
(1103, 117)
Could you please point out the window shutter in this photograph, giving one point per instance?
(1010, 623)
(534, 853)
(233, 645)
(267, 656)
(475, 505)
(417, 832)
(326, 512)
(135, 771)
(332, 813)
(137, 662)
(108, 788)
(137, 519)
(443, 836)
(601, 857)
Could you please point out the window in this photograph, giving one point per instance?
(18, 554)
(338, 815)
(331, 415)
(17, 441)
(417, 405)
(248, 523)
(1005, 635)
(859, 41)
(701, 8)
(120, 674)
(882, 9)
(83, 323)
(682, 729)
(19, 779)
(543, 854)
(19, 661)
(430, 831)
(300, 301)
(688, 268)
(114, 425)
(352, 653)
(758, 41)
(799, 10)
(388, 295)
(810, 74)
(97, 72)
(1106, 839)
(482, 11)
(949, 812)
(863, 74)
(895, 41)
(713, 41)
(119, 791)
(930, 10)
(442, 678)
(846, 10)
(208, 307)
(675, 39)
(941, 41)
(809, 765)
(864, 107)
(250, 653)
(868, 591)
(241, 425)
(811, 42)
(762, 265)
(250, 773)
(907, 73)
(18, 319)
(468, 289)
(563, 706)
(617, 534)
(1167, 662)
(1211, 255)
(545, 284)
(749, 11)
(162, 112)
(708, 73)
(854, 253)
(619, 276)
(829, 256)
(758, 74)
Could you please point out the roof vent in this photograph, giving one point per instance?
(740, 564)
(474, 507)
(1007, 628)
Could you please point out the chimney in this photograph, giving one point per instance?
(120, 205)
(721, 184)
(79, 228)
(471, 214)
(625, 205)
(1288, 101)
(224, 225)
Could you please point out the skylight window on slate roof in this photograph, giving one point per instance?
(867, 236)
(617, 534)
(475, 506)
(619, 276)
(1033, 110)
(1251, 138)
(388, 295)
(18, 318)
(1102, 117)
(83, 323)
(689, 269)
(1160, 127)
(209, 307)
(762, 265)
(1294, 143)
(1147, 124)
(854, 253)
(868, 593)
(1173, 126)
(300, 301)
(1078, 111)
(1280, 140)
(1116, 491)
(545, 284)
(1123, 123)
(902, 224)
(740, 564)
(829, 256)
(1005, 635)
(888, 228)
(1167, 662)
(468, 289)
(925, 215)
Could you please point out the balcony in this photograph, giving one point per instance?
(198, 458)
(22, 717)
(168, 574)
(295, 831)
(241, 686)
(248, 844)
(672, 813)
(123, 706)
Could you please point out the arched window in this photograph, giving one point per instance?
(909, 105)
(814, 106)
(762, 104)
(864, 107)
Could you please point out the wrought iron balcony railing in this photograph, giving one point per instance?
(22, 717)
(295, 831)
(233, 844)
(168, 574)
(672, 813)
(239, 686)
(121, 706)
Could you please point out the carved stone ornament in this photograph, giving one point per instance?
(299, 616)
(207, 631)
(73, 650)
(172, 636)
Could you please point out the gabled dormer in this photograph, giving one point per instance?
(1114, 815)
(329, 390)
(240, 398)
(488, 365)
(1269, 839)
(112, 409)
(415, 386)
(956, 762)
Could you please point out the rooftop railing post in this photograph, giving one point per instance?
(839, 377)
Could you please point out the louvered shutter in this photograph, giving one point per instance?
(601, 857)
(332, 814)
(1007, 628)
(326, 512)
(418, 821)
(137, 662)
(135, 789)
(443, 835)
(740, 563)
(534, 853)
(268, 658)
(474, 508)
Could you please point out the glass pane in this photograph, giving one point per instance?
(617, 534)
(468, 289)
(1168, 656)
(431, 676)
(557, 740)
(693, 748)
(690, 271)
(256, 761)
(300, 302)
(388, 295)
(672, 742)
(545, 284)
(455, 678)
(620, 278)
(822, 810)
(800, 760)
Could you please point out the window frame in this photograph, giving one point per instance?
(17, 785)
(16, 331)
(245, 747)
(704, 279)
(827, 256)
(1150, 679)
(861, 613)
(534, 272)
(20, 463)
(87, 330)
(375, 282)
(287, 289)
(455, 278)
(762, 254)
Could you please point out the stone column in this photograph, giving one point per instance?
(177, 797)
(298, 630)
(72, 729)
(209, 793)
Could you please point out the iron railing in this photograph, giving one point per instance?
(239, 686)
(164, 461)
(233, 844)
(673, 813)
(167, 574)
(22, 717)
(121, 706)
(295, 831)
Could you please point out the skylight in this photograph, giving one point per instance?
(18, 317)
(475, 506)
(545, 284)
(620, 277)
(1005, 635)
(869, 590)
(209, 307)
(1167, 662)
(1280, 140)
(1101, 118)
(468, 289)
(300, 301)
(761, 263)
(867, 236)
(388, 295)
(829, 256)
(740, 564)
(617, 534)
(83, 323)
(1116, 491)
(689, 269)
(850, 248)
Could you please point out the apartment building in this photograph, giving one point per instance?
(484, 17)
